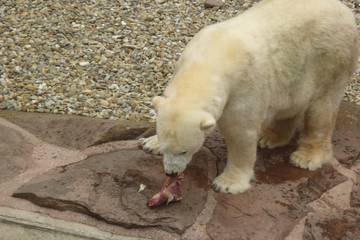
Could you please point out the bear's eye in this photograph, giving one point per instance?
(183, 153)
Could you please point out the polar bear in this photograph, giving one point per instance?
(258, 76)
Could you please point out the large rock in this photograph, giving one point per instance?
(355, 193)
(106, 187)
(333, 226)
(15, 153)
(76, 132)
(346, 138)
(277, 201)
(321, 181)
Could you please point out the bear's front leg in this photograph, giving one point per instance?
(241, 145)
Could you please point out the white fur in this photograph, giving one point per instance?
(151, 144)
(259, 75)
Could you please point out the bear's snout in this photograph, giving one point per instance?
(174, 165)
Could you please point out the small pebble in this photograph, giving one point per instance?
(141, 187)
(213, 3)
(83, 64)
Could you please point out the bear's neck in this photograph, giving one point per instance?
(198, 89)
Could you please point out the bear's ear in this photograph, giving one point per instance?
(157, 102)
(208, 123)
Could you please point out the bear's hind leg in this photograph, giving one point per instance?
(315, 147)
(279, 133)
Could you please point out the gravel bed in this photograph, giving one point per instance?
(101, 58)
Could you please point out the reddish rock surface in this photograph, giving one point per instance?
(75, 132)
(106, 187)
(347, 135)
(321, 181)
(277, 201)
(99, 185)
(355, 194)
(333, 226)
(15, 152)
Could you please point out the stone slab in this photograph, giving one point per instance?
(333, 226)
(18, 224)
(15, 152)
(346, 138)
(272, 208)
(76, 132)
(105, 186)
(102, 191)
(355, 193)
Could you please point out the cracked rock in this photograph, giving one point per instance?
(347, 135)
(333, 226)
(271, 208)
(355, 194)
(106, 186)
(76, 132)
(14, 153)
(324, 179)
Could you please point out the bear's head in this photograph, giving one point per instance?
(181, 132)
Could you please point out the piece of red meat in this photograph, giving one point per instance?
(170, 191)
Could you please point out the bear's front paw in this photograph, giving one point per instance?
(151, 145)
(227, 184)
